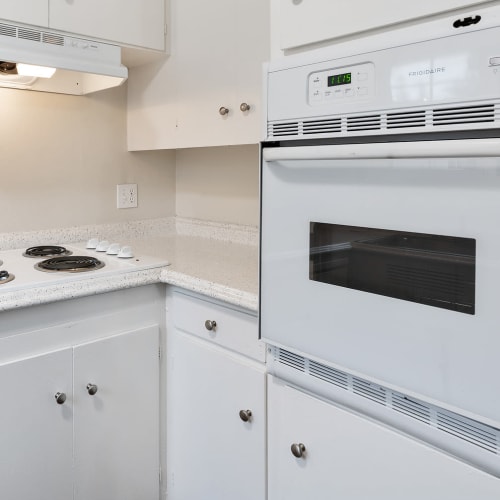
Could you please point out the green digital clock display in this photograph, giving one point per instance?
(340, 79)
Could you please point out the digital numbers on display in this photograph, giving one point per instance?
(340, 79)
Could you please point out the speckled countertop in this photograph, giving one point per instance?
(217, 260)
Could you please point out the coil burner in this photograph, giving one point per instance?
(46, 251)
(69, 264)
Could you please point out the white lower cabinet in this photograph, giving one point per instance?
(216, 412)
(346, 456)
(60, 440)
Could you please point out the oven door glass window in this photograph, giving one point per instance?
(429, 269)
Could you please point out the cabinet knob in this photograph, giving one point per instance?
(298, 450)
(245, 415)
(244, 106)
(223, 111)
(91, 389)
(60, 398)
(210, 324)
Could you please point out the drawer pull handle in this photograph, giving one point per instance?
(298, 450)
(91, 389)
(246, 415)
(60, 398)
(210, 325)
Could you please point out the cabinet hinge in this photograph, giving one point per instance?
(159, 352)
(166, 29)
(159, 475)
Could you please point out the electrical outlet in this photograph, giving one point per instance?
(126, 195)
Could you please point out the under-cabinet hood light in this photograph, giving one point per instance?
(33, 70)
(83, 66)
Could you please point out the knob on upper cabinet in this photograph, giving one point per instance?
(91, 389)
(244, 107)
(60, 397)
(223, 111)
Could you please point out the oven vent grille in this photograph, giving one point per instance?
(369, 122)
(464, 428)
(30, 34)
(464, 115)
(284, 129)
(408, 119)
(322, 126)
(425, 119)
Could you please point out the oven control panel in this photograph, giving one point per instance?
(342, 85)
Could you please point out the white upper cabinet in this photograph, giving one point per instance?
(208, 92)
(28, 12)
(134, 22)
(303, 22)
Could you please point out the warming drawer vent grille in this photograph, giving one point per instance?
(423, 120)
(30, 34)
(468, 430)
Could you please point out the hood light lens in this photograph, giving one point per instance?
(38, 71)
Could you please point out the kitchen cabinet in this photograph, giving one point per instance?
(208, 92)
(302, 22)
(216, 414)
(139, 23)
(28, 12)
(59, 438)
(318, 450)
(134, 22)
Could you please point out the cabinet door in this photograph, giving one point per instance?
(117, 428)
(35, 431)
(216, 63)
(307, 21)
(347, 456)
(211, 451)
(29, 11)
(134, 22)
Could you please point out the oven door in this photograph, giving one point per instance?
(384, 260)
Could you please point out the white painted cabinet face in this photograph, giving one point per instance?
(303, 22)
(35, 431)
(350, 457)
(199, 96)
(34, 12)
(134, 22)
(211, 451)
(102, 446)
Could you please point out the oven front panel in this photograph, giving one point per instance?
(389, 268)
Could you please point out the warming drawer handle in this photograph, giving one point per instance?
(470, 148)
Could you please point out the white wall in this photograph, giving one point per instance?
(61, 158)
(219, 184)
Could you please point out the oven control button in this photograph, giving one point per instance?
(92, 243)
(114, 249)
(494, 61)
(102, 246)
(125, 253)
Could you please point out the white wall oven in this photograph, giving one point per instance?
(380, 251)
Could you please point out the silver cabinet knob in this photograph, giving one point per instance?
(91, 389)
(244, 106)
(245, 415)
(223, 111)
(298, 450)
(210, 324)
(60, 398)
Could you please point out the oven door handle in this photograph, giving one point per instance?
(468, 148)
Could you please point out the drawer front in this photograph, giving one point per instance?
(224, 326)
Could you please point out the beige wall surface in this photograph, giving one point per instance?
(61, 158)
(219, 184)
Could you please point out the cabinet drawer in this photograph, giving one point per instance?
(230, 328)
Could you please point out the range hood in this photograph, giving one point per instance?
(82, 66)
